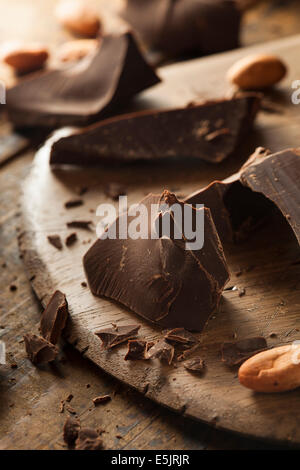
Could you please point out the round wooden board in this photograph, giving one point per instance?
(270, 275)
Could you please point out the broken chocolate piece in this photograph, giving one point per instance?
(55, 241)
(236, 353)
(39, 350)
(82, 92)
(112, 337)
(137, 349)
(83, 224)
(181, 336)
(162, 350)
(195, 365)
(88, 439)
(150, 135)
(54, 317)
(73, 203)
(243, 201)
(71, 430)
(101, 400)
(160, 277)
(177, 27)
(115, 190)
(71, 239)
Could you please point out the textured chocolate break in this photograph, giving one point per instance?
(112, 337)
(185, 26)
(208, 131)
(54, 317)
(244, 200)
(39, 350)
(82, 92)
(161, 279)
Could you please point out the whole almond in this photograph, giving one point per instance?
(73, 51)
(275, 370)
(24, 57)
(255, 72)
(79, 17)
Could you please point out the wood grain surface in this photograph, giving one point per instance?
(272, 299)
(30, 396)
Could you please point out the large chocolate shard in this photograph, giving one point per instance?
(190, 26)
(160, 277)
(82, 93)
(244, 200)
(209, 131)
(54, 317)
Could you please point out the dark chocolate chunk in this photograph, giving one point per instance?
(54, 317)
(55, 241)
(71, 239)
(236, 353)
(161, 278)
(88, 439)
(137, 349)
(181, 336)
(195, 365)
(83, 224)
(112, 337)
(82, 92)
(114, 190)
(243, 201)
(162, 350)
(73, 203)
(189, 132)
(39, 350)
(71, 430)
(177, 27)
(101, 400)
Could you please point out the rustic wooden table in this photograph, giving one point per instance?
(30, 397)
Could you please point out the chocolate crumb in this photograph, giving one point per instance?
(111, 337)
(55, 241)
(137, 349)
(74, 203)
(13, 288)
(195, 365)
(162, 350)
(102, 399)
(83, 224)
(84, 284)
(39, 350)
(71, 239)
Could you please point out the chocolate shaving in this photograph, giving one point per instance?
(70, 431)
(73, 203)
(101, 400)
(137, 350)
(71, 239)
(54, 317)
(162, 350)
(195, 365)
(39, 350)
(181, 336)
(55, 241)
(112, 337)
(88, 439)
(236, 353)
(83, 224)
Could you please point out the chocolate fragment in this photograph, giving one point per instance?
(162, 350)
(137, 349)
(101, 400)
(160, 278)
(88, 439)
(73, 203)
(181, 336)
(243, 201)
(85, 91)
(54, 317)
(55, 241)
(39, 350)
(112, 337)
(189, 132)
(71, 239)
(236, 353)
(195, 365)
(177, 27)
(71, 430)
(83, 224)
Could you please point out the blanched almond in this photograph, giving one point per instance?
(73, 51)
(275, 370)
(79, 17)
(24, 57)
(255, 72)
